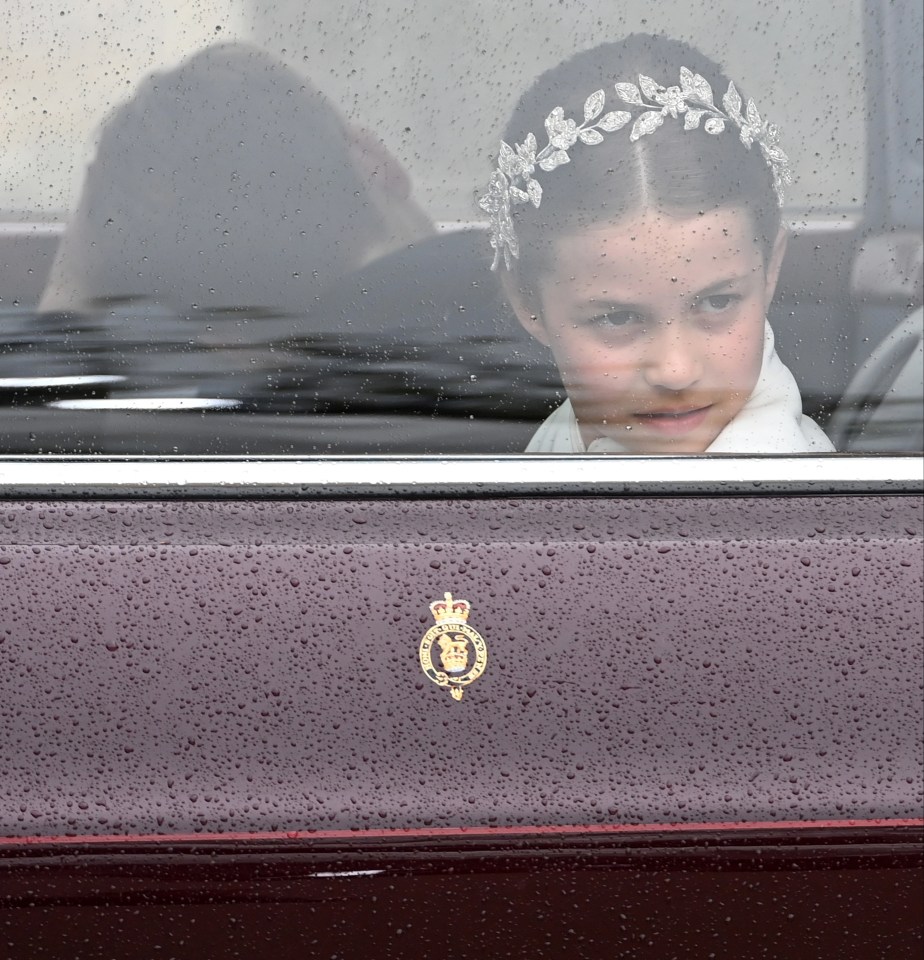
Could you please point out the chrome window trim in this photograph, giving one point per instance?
(435, 476)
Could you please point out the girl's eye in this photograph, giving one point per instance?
(617, 320)
(718, 302)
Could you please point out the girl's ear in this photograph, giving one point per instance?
(775, 264)
(529, 320)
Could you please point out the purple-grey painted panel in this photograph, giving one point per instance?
(171, 667)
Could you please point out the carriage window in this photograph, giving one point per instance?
(254, 228)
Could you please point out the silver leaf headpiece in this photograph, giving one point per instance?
(513, 181)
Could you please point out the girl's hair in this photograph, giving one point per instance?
(669, 170)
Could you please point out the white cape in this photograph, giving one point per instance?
(771, 421)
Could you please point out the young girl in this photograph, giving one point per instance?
(642, 241)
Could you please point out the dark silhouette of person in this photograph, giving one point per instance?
(228, 182)
(230, 186)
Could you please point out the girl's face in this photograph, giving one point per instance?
(656, 323)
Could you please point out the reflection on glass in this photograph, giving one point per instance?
(229, 182)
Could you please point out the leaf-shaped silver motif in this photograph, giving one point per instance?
(648, 86)
(701, 89)
(646, 123)
(554, 119)
(496, 197)
(691, 119)
(590, 137)
(775, 155)
(554, 160)
(714, 125)
(593, 105)
(534, 189)
(629, 93)
(507, 160)
(526, 153)
(732, 103)
(752, 114)
(616, 120)
(521, 196)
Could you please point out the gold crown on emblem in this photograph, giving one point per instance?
(449, 610)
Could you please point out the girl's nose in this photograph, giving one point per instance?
(673, 362)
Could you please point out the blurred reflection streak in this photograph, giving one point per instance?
(51, 383)
(146, 403)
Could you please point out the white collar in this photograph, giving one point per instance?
(771, 421)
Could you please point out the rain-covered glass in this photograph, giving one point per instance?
(268, 228)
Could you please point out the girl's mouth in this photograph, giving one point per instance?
(674, 421)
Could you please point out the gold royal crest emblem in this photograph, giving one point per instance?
(452, 654)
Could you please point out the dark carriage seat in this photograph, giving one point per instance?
(428, 326)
